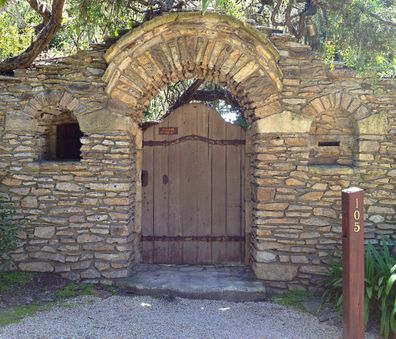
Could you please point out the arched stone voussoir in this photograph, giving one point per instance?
(181, 46)
(192, 23)
(61, 100)
(337, 101)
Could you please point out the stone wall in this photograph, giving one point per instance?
(78, 216)
(299, 185)
(82, 219)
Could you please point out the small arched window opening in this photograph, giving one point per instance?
(60, 136)
(195, 90)
(332, 139)
(68, 143)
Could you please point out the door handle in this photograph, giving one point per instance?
(144, 178)
(165, 179)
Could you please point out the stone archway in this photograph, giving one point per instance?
(183, 46)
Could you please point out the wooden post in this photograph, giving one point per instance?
(353, 263)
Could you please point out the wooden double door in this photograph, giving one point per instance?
(192, 189)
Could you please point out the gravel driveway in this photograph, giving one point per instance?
(146, 317)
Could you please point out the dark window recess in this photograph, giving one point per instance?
(328, 143)
(68, 144)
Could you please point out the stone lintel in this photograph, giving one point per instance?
(376, 124)
(104, 120)
(17, 121)
(285, 122)
(330, 169)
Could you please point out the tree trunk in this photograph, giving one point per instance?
(25, 59)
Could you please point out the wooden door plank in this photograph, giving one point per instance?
(242, 149)
(219, 252)
(148, 198)
(204, 252)
(147, 252)
(217, 131)
(188, 152)
(161, 252)
(203, 184)
(160, 220)
(234, 203)
(175, 185)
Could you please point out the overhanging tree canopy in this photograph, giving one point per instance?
(362, 32)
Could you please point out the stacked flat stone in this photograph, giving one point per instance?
(82, 219)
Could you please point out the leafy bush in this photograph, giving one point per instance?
(8, 230)
(11, 280)
(333, 283)
(380, 285)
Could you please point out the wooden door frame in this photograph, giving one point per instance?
(247, 193)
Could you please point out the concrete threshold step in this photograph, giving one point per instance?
(232, 283)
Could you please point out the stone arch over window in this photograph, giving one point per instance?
(183, 46)
(54, 117)
(334, 132)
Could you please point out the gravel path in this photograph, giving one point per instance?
(146, 317)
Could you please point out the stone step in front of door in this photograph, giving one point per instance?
(232, 283)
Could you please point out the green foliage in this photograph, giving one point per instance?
(329, 53)
(8, 231)
(293, 298)
(355, 32)
(362, 41)
(229, 7)
(18, 313)
(90, 21)
(333, 282)
(380, 286)
(164, 100)
(72, 290)
(16, 30)
(10, 280)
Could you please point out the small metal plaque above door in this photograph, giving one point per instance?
(168, 130)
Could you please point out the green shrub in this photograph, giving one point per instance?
(380, 285)
(8, 230)
(10, 280)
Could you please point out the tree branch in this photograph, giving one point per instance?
(186, 97)
(217, 94)
(274, 13)
(37, 46)
(364, 10)
(41, 9)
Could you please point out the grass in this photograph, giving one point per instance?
(72, 290)
(18, 313)
(9, 279)
(293, 298)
